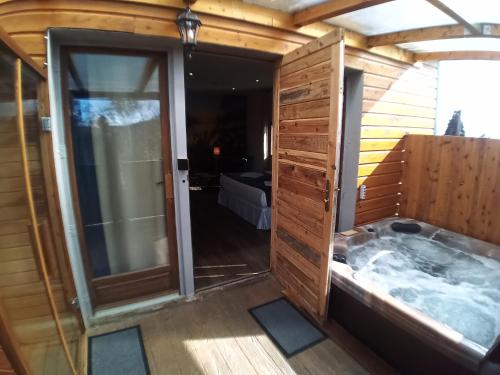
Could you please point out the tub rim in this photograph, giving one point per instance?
(434, 333)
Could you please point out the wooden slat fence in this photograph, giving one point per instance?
(454, 183)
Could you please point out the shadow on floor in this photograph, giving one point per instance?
(225, 247)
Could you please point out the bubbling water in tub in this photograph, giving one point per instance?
(458, 289)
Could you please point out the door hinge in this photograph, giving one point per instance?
(61, 151)
(362, 192)
(75, 303)
(46, 124)
(327, 195)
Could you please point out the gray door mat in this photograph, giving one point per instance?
(286, 326)
(118, 352)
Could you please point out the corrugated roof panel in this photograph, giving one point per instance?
(467, 44)
(476, 11)
(393, 16)
(288, 6)
(400, 15)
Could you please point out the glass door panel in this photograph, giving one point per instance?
(119, 137)
(40, 178)
(24, 303)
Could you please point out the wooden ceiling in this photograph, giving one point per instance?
(461, 29)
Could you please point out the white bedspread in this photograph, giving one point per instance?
(246, 201)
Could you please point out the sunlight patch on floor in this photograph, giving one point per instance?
(237, 355)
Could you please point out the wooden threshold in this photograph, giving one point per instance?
(114, 290)
(234, 282)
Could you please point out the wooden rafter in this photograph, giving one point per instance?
(331, 9)
(432, 33)
(458, 55)
(146, 75)
(451, 13)
(76, 77)
(7, 40)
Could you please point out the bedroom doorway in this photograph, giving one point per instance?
(229, 132)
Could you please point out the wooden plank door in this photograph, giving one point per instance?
(308, 109)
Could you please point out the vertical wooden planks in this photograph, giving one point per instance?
(452, 182)
(307, 110)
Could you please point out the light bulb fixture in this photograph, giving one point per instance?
(188, 24)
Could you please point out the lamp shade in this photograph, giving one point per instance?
(216, 151)
(188, 24)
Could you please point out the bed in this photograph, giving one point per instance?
(248, 194)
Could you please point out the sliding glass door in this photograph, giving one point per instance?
(119, 141)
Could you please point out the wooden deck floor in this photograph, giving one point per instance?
(215, 334)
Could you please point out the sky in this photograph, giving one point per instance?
(117, 112)
(470, 86)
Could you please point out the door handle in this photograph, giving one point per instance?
(326, 200)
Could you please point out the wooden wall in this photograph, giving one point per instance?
(5, 366)
(27, 20)
(398, 98)
(453, 182)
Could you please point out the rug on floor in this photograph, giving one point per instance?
(290, 331)
(119, 352)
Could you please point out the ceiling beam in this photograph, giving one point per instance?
(458, 55)
(74, 73)
(451, 13)
(331, 8)
(146, 75)
(433, 33)
(11, 44)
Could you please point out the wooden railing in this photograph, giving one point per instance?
(454, 183)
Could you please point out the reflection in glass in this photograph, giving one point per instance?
(23, 295)
(66, 313)
(117, 150)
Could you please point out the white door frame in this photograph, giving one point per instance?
(177, 113)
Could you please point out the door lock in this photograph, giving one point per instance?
(327, 195)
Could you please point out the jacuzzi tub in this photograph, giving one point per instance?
(427, 286)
